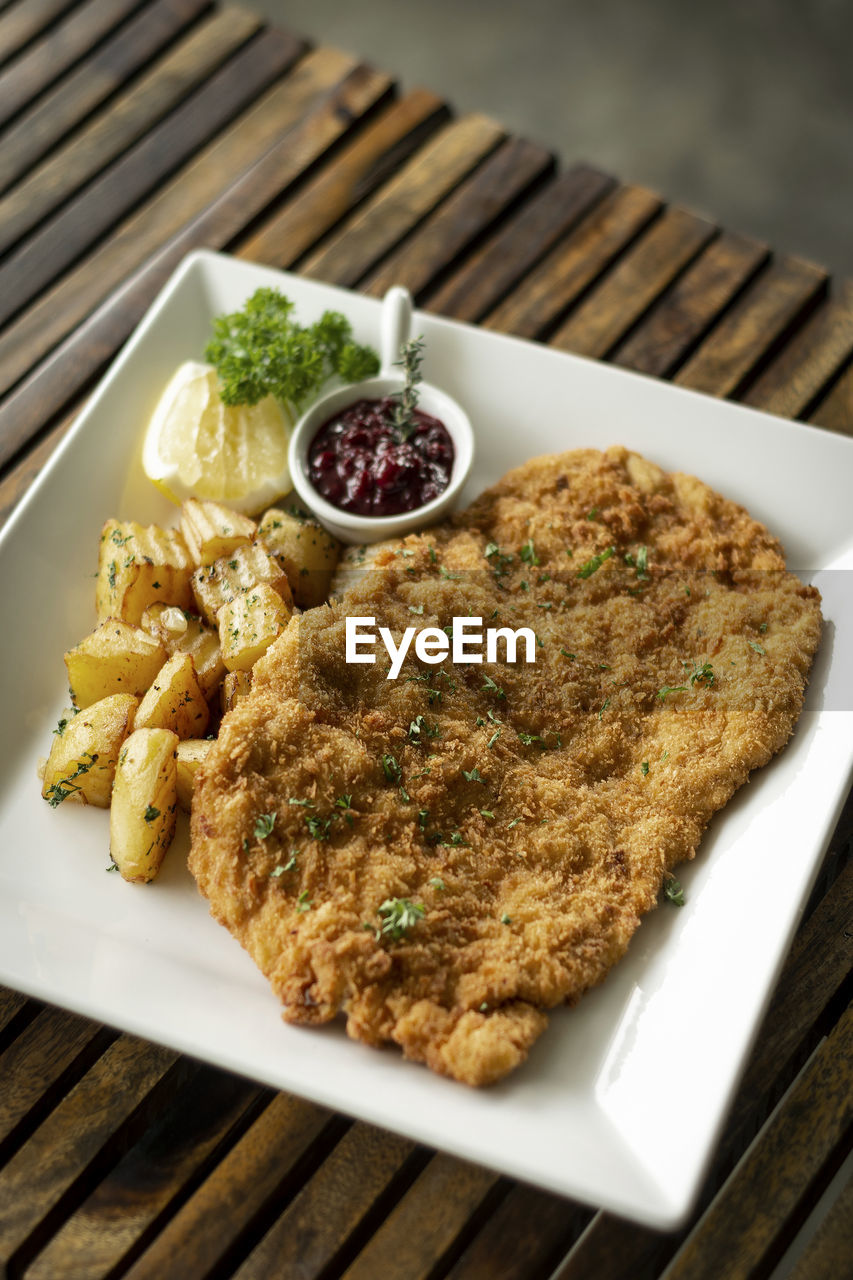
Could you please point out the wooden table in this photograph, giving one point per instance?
(134, 131)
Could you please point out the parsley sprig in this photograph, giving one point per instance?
(263, 351)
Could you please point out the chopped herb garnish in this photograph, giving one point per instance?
(505, 919)
(487, 813)
(391, 768)
(493, 739)
(151, 813)
(318, 828)
(703, 674)
(306, 804)
(437, 883)
(757, 647)
(592, 513)
(65, 787)
(671, 688)
(489, 686)
(673, 891)
(473, 776)
(264, 824)
(644, 768)
(571, 656)
(604, 707)
(303, 902)
(398, 916)
(527, 553)
(588, 569)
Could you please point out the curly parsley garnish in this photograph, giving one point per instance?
(262, 351)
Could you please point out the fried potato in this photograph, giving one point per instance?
(145, 801)
(212, 530)
(175, 700)
(181, 632)
(248, 624)
(306, 552)
(138, 565)
(235, 686)
(249, 566)
(189, 756)
(114, 658)
(83, 754)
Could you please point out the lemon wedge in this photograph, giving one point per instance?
(197, 447)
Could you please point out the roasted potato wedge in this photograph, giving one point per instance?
(84, 751)
(212, 530)
(190, 755)
(249, 566)
(236, 685)
(175, 700)
(306, 552)
(145, 802)
(114, 658)
(248, 624)
(182, 632)
(138, 565)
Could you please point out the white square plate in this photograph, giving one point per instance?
(621, 1101)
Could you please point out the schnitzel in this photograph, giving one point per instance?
(445, 856)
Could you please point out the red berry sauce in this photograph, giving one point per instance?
(359, 464)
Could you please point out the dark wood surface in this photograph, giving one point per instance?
(132, 131)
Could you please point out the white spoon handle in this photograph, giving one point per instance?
(394, 329)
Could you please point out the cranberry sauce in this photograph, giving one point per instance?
(358, 462)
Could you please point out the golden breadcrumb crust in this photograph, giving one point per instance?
(532, 811)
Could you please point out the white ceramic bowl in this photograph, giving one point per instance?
(351, 528)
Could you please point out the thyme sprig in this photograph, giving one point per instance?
(403, 417)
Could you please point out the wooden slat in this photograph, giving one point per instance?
(85, 219)
(574, 263)
(691, 306)
(354, 173)
(379, 225)
(524, 1239)
(814, 354)
(177, 1149)
(426, 1223)
(22, 22)
(635, 282)
(18, 479)
(828, 1255)
(770, 306)
(37, 1059)
(817, 965)
(469, 211)
(348, 1186)
(36, 1178)
(835, 411)
(489, 273)
(763, 1194)
(54, 53)
(85, 88)
(11, 1004)
(68, 169)
(262, 152)
(248, 1178)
